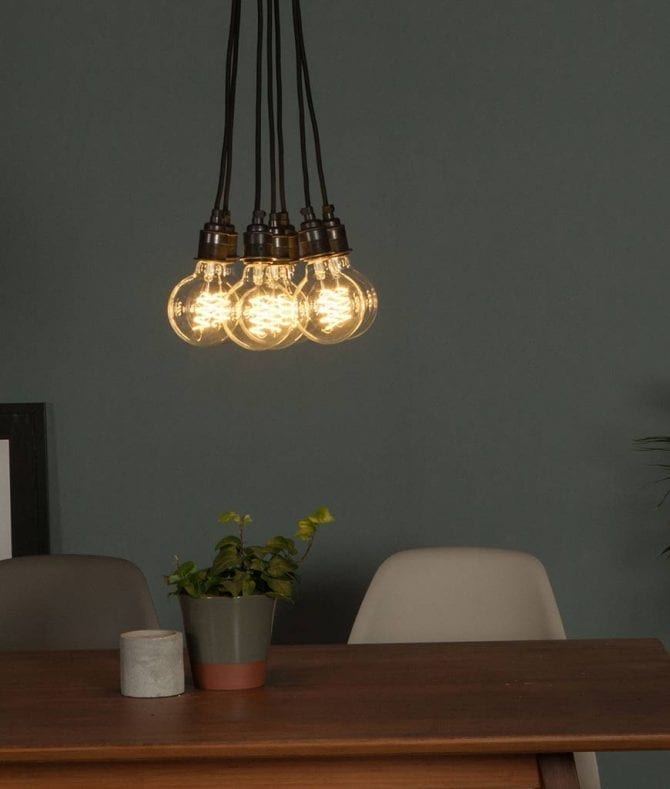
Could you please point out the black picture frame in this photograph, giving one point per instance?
(24, 425)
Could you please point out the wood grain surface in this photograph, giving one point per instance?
(345, 703)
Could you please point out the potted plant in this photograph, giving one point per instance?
(228, 608)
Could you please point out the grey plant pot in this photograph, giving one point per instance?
(228, 639)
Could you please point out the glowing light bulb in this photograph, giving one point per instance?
(200, 306)
(371, 301)
(267, 308)
(335, 304)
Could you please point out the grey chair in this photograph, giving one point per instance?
(463, 594)
(71, 602)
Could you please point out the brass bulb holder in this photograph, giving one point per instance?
(218, 238)
(284, 238)
(313, 239)
(257, 240)
(336, 232)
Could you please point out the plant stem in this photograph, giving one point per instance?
(307, 549)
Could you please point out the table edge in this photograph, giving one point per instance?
(332, 748)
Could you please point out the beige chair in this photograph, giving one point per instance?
(71, 602)
(463, 594)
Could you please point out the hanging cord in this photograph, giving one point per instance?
(271, 117)
(280, 129)
(259, 88)
(304, 74)
(301, 110)
(233, 91)
(231, 80)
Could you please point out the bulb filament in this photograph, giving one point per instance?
(270, 314)
(210, 310)
(333, 308)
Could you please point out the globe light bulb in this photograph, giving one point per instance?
(267, 308)
(371, 301)
(334, 303)
(290, 311)
(202, 305)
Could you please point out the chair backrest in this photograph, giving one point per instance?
(71, 602)
(458, 594)
(463, 594)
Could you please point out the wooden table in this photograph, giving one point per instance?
(447, 715)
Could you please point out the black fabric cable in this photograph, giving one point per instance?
(233, 90)
(231, 77)
(271, 117)
(259, 89)
(304, 72)
(301, 108)
(280, 120)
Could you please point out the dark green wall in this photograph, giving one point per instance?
(502, 168)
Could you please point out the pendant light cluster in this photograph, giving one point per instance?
(287, 285)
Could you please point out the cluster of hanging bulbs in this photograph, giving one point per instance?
(266, 308)
(288, 285)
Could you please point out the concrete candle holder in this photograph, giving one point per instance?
(152, 663)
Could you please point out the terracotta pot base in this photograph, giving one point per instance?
(229, 676)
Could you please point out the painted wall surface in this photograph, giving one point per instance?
(502, 169)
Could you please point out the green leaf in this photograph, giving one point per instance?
(278, 544)
(233, 586)
(248, 586)
(226, 559)
(280, 587)
(322, 515)
(209, 584)
(307, 526)
(231, 517)
(235, 517)
(230, 539)
(306, 530)
(185, 579)
(279, 566)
